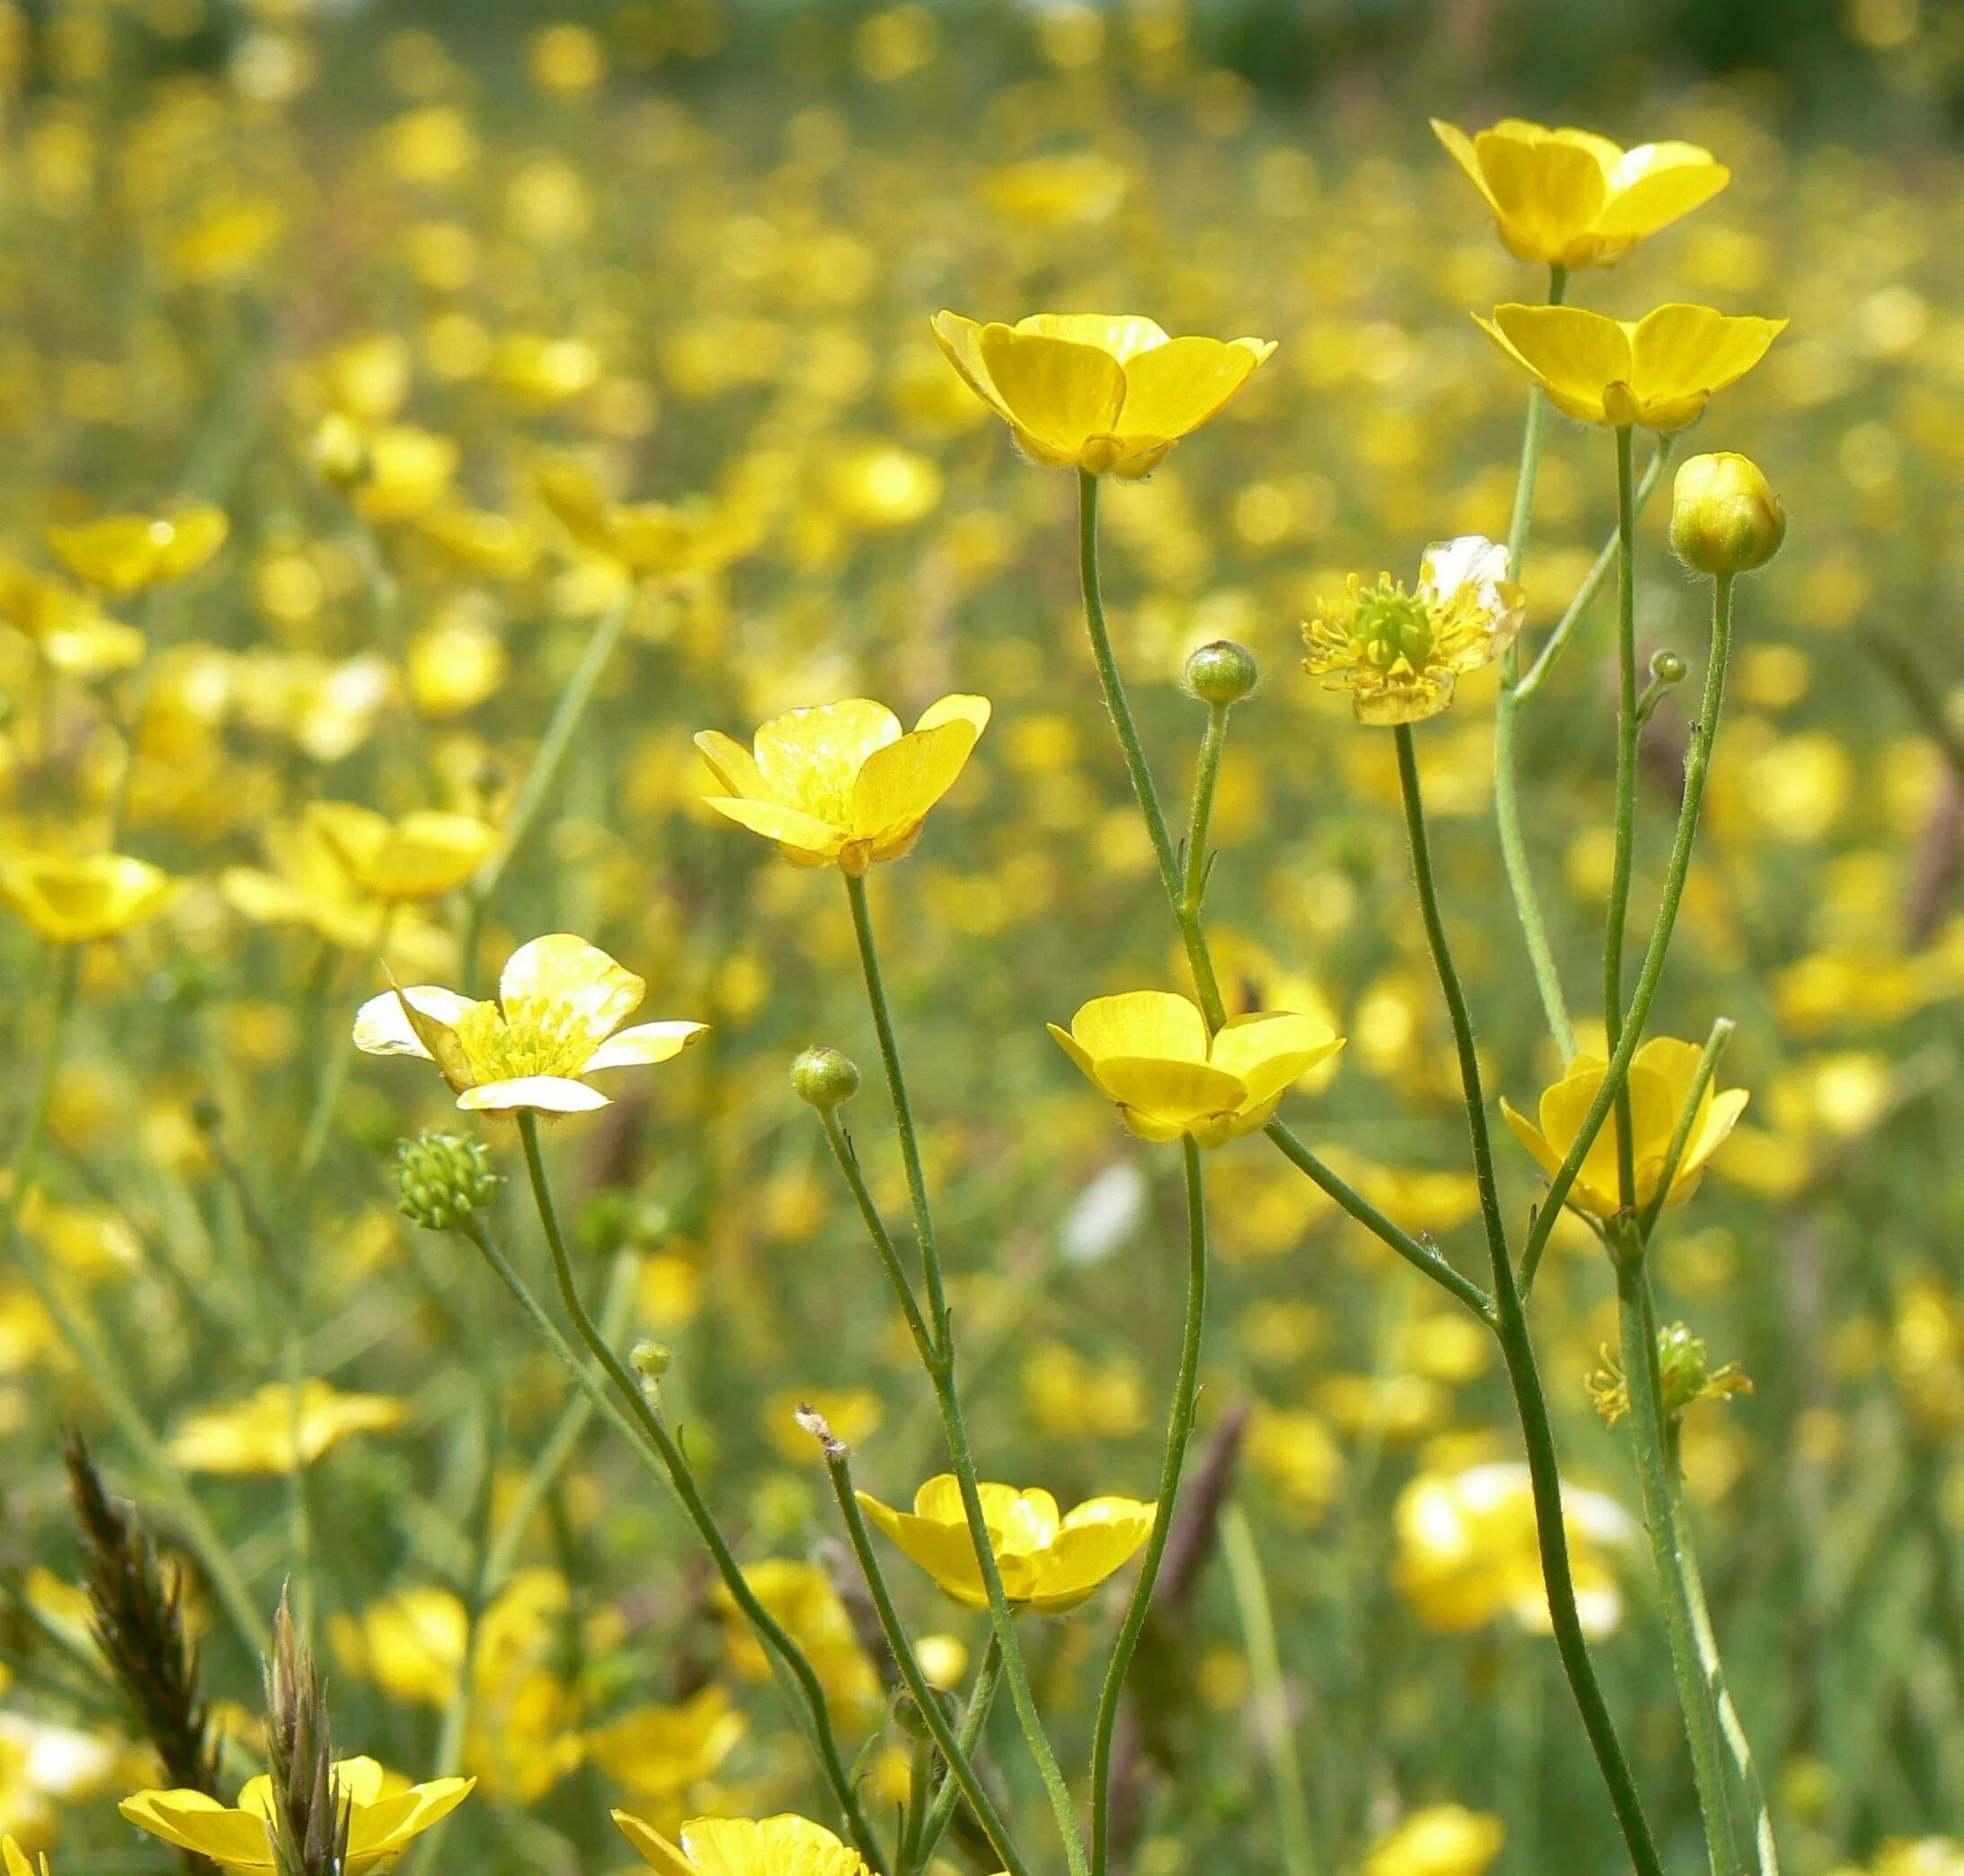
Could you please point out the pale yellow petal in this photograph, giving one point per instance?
(960, 338)
(574, 985)
(809, 759)
(644, 1044)
(537, 1094)
(1124, 336)
(384, 1028)
(1577, 354)
(1459, 147)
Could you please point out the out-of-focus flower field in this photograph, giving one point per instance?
(409, 297)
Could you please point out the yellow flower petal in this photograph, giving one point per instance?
(1169, 1093)
(1689, 352)
(644, 1044)
(1655, 184)
(1545, 193)
(1124, 335)
(539, 1094)
(1141, 1023)
(655, 1849)
(789, 827)
(1267, 1051)
(901, 782)
(1174, 388)
(1059, 394)
(578, 983)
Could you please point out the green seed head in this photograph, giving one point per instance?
(442, 1178)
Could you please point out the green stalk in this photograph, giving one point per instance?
(947, 1397)
(1513, 853)
(926, 1702)
(655, 1431)
(1697, 769)
(1249, 1582)
(546, 759)
(1517, 1349)
(1626, 796)
(1637, 1319)
(982, 1696)
(1179, 1433)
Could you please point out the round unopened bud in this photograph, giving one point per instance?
(911, 1722)
(824, 1078)
(652, 1359)
(1667, 667)
(442, 1178)
(1725, 518)
(1222, 672)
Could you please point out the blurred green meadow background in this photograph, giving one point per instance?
(693, 246)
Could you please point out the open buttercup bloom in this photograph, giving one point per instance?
(841, 785)
(556, 1020)
(126, 553)
(643, 538)
(785, 1846)
(1109, 392)
(407, 862)
(268, 1433)
(75, 901)
(1571, 199)
(1048, 1560)
(1149, 1052)
(1400, 654)
(1661, 1074)
(384, 1815)
(1660, 371)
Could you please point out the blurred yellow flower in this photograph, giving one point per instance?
(643, 538)
(841, 785)
(67, 628)
(72, 901)
(407, 862)
(1108, 392)
(1149, 1052)
(803, 1597)
(1659, 371)
(661, 1752)
(411, 1643)
(736, 1846)
(1571, 199)
(260, 1434)
(1441, 1840)
(1401, 654)
(125, 553)
(1467, 1553)
(305, 881)
(556, 1018)
(1049, 1562)
(394, 472)
(1660, 1083)
(384, 1816)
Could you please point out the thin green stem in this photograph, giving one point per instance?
(1697, 769)
(1514, 852)
(1250, 1583)
(1557, 641)
(1626, 797)
(982, 1697)
(1179, 1433)
(1517, 1349)
(681, 1475)
(947, 1397)
(926, 1702)
(546, 759)
(845, 1153)
(1188, 919)
(1207, 777)
(1637, 1319)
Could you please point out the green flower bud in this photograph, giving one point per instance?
(1725, 518)
(1222, 672)
(909, 1717)
(652, 1359)
(442, 1179)
(1667, 667)
(824, 1078)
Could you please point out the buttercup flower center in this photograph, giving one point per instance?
(529, 1038)
(1393, 627)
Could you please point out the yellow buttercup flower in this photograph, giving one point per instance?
(394, 472)
(125, 553)
(1660, 371)
(1441, 1840)
(1149, 1052)
(1660, 1082)
(1106, 392)
(841, 786)
(785, 1846)
(381, 1819)
(407, 862)
(70, 629)
(71, 901)
(1047, 1562)
(304, 882)
(557, 1018)
(643, 538)
(661, 1752)
(1400, 654)
(17, 1861)
(1570, 198)
(262, 1433)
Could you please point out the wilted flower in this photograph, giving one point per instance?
(72, 901)
(736, 1846)
(840, 785)
(1572, 198)
(1149, 1052)
(1401, 654)
(1047, 1562)
(1660, 1082)
(1660, 371)
(381, 1820)
(556, 1018)
(1108, 393)
(125, 553)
